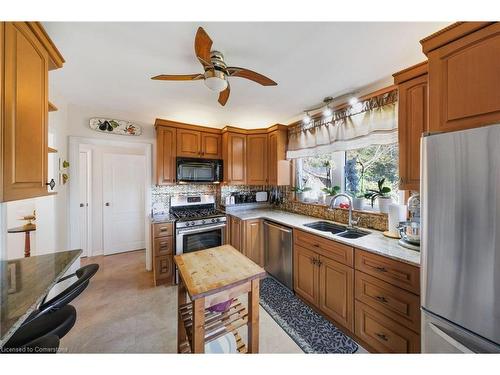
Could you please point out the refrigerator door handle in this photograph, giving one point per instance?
(450, 340)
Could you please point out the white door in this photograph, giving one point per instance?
(84, 203)
(123, 202)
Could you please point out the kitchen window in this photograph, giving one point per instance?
(352, 171)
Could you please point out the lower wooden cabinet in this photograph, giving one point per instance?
(336, 291)
(305, 274)
(234, 237)
(162, 241)
(374, 298)
(253, 240)
(164, 269)
(384, 334)
(326, 284)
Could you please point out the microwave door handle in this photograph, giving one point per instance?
(199, 230)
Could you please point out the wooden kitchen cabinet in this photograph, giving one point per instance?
(276, 143)
(336, 291)
(412, 122)
(384, 334)
(198, 144)
(257, 160)
(188, 143)
(464, 76)
(166, 140)
(27, 54)
(253, 240)
(234, 146)
(235, 232)
(163, 251)
(211, 145)
(305, 274)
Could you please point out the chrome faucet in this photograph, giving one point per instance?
(351, 222)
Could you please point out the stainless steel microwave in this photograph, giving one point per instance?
(193, 170)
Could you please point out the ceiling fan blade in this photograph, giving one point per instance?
(178, 77)
(224, 95)
(234, 71)
(202, 47)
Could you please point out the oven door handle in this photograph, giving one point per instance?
(199, 230)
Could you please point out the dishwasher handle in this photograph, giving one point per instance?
(279, 227)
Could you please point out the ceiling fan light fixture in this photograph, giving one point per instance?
(215, 80)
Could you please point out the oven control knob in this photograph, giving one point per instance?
(192, 223)
(214, 220)
(203, 221)
(217, 220)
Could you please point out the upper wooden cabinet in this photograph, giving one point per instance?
(257, 159)
(166, 140)
(276, 152)
(412, 122)
(464, 76)
(27, 55)
(211, 145)
(198, 144)
(234, 147)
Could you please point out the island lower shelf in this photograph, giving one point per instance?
(217, 324)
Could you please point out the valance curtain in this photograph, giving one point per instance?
(373, 121)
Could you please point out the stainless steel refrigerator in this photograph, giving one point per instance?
(460, 272)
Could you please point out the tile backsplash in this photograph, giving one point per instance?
(161, 203)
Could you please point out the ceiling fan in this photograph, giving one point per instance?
(216, 70)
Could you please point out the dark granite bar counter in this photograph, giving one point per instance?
(23, 284)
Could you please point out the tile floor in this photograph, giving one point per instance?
(121, 312)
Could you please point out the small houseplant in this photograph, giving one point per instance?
(355, 182)
(330, 192)
(299, 192)
(383, 195)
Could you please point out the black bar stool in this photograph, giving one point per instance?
(56, 316)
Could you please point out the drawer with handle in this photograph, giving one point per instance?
(400, 274)
(328, 248)
(383, 334)
(163, 229)
(163, 245)
(394, 302)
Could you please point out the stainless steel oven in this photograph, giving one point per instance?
(189, 239)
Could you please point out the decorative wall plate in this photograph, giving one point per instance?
(107, 125)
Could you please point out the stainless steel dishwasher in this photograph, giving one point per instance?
(278, 257)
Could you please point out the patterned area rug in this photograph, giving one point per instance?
(312, 332)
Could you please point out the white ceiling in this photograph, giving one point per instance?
(109, 65)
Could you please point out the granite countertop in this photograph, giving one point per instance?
(24, 283)
(374, 242)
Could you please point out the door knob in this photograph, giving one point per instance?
(107, 204)
(81, 205)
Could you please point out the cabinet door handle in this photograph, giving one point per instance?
(313, 260)
(381, 299)
(51, 183)
(163, 229)
(315, 244)
(319, 263)
(382, 336)
(107, 204)
(381, 269)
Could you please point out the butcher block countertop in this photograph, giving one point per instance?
(210, 271)
(374, 242)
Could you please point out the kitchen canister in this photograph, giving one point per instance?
(397, 213)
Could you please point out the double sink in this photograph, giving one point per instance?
(337, 230)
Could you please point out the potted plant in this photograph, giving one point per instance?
(383, 195)
(299, 192)
(355, 184)
(330, 192)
